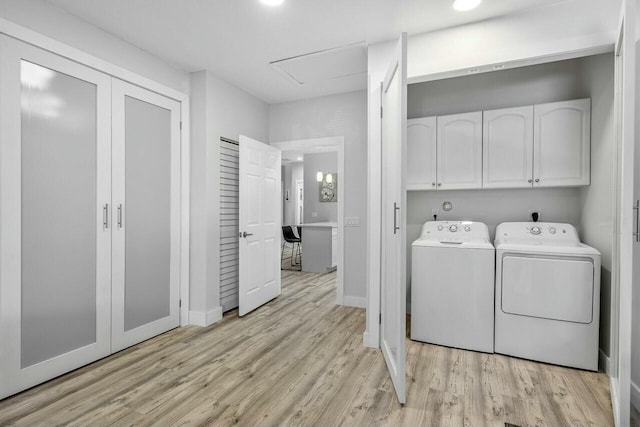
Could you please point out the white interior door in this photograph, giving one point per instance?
(260, 223)
(146, 215)
(55, 253)
(393, 284)
(625, 248)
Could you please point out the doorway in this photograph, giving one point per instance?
(300, 148)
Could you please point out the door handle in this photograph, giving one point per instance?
(245, 234)
(105, 216)
(636, 208)
(396, 208)
(120, 215)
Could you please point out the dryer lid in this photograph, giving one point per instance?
(541, 237)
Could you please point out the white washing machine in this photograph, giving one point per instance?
(452, 285)
(547, 294)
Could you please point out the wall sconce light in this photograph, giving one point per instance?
(319, 176)
(328, 178)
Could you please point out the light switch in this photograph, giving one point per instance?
(352, 221)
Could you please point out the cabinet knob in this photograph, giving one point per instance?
(433, 184)
(537, 179)
(439, 184)
(530, 181)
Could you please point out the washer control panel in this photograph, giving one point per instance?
(455, 231)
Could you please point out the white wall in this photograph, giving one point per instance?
(219, 110)
(336, 115)
(528, 35)
(54, 22)
(589, 209)
(314, 209)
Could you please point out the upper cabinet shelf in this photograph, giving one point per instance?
(546, 145)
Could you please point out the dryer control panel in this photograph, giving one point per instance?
(547, 231)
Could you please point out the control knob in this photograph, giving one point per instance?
(453, 228)
(536, 231)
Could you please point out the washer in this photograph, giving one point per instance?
(452, 285)
(547, 294)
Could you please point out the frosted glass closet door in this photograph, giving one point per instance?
(54, 199)
(146, 171)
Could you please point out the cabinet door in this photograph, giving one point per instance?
(54, 215)
(508, 148)
(459, 152)
(421, 153)
(146, 213)
(562, 144)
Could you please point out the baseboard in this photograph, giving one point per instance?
(604, 362)
(368, 340)
(635, 395)
(202, 318)
(359, 302)
(615, 400)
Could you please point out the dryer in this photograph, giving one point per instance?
(547, 305)
(452, 285)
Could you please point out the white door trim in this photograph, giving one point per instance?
(327, 144)
(39, 40)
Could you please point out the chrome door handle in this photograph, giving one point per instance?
(396, 208)
(245, 234)
(120, 215)
(105, 216)
(637, 209)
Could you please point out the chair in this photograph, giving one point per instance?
(290, 237)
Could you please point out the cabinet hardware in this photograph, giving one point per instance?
(636, 208)
(120, 215)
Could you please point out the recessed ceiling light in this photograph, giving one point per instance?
(464, 5)
(272, 2)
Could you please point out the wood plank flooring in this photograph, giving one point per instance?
(635, 417)
(299, 361)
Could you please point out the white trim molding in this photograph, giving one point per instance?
(358, 302)
(604, 362)
(635, 395)
(205, 318)
(41, 41)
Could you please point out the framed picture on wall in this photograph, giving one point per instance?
(329, 188)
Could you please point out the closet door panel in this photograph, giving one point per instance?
(459, 151)
(421, 153)
(55, 255)
(146, 211)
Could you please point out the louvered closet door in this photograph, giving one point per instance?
(146, 214)
(229, 274)
(55, 231)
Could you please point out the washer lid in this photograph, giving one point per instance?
(454, 234)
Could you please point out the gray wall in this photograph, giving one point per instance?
(597, 200)
(588, 209)
(336, 115)
(314, 209)
(218, 109)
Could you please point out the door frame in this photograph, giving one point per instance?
(47, 43)
(323, 145)
(296, 203)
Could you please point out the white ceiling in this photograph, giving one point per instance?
(237, 39)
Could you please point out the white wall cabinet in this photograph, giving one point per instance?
(562, 144)
(459, 151)
(445, 153)
(90, 185)
(546, 145)
(508, 148)
(421, 153)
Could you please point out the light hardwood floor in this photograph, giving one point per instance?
(299, 360)
(635, 417)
